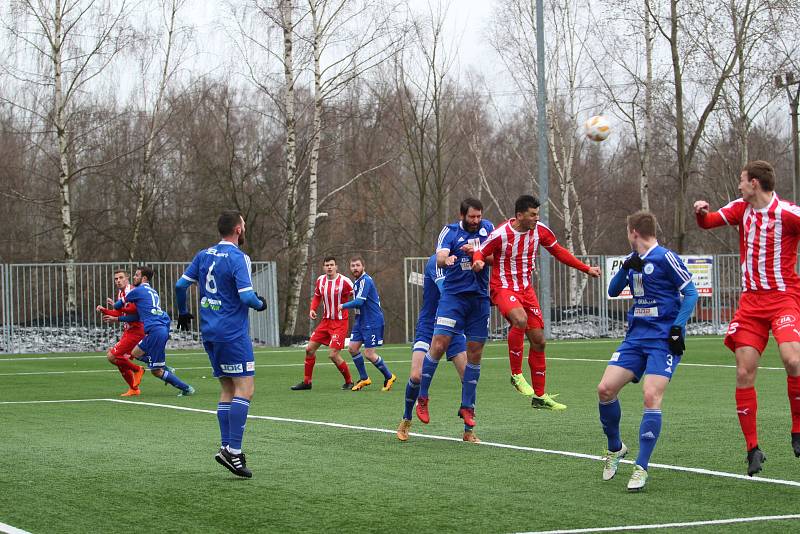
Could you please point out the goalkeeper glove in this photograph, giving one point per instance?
(633, 262)
(263, 302)
(184, 321)
(676, 344)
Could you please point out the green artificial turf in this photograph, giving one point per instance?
(103, 466)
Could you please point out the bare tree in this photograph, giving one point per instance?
(63, 47)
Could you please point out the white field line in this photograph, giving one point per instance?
(8, 529)
(299, 350)
(112, 370)
(570, 454)
(672, 525)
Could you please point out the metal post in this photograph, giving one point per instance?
(544, 194)
(787, 81)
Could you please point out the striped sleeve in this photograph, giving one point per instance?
(677, 271)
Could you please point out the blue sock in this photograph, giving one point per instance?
(412, 392)
(428, 369)
(610, 414)
(469, 387)
(237, 419)
(381, 365)
(648, 435)
(223, 408)
(173, 380)
(358, 361)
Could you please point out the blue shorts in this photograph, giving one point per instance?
(370, 336)
(154, 346)
(463, 313)
(458, 344)
(647, 356)
(231, 358)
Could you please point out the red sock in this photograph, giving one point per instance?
(309, 367)
(125, 363)
(538, 368)
(793, 389)
(516, 344)
(345, 372)
(746, 408)
(126, 373)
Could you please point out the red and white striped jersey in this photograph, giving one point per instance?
(768, 240)
(332, 293)
(515, 254)
(136, 325)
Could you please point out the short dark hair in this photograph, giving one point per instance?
(146, 271)
(643, 222)
(468, 203)
(763, 171)
(228, 221)
(358, 257)
(525, 202)
(329, 258)
(121, 270)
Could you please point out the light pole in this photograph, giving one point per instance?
(543, 161)
(787, 81)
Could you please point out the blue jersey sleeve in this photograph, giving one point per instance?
(677, 271)
(445, 240)
(618, 283)
(241, 273)
(360, 293)
(690, 296)
(192, 272)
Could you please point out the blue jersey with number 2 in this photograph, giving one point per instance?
(148, 305)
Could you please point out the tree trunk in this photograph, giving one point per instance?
(679, 220)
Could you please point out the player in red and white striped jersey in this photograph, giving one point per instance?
(769, 232)
(513, 246)
(132, 333)
(332, 289)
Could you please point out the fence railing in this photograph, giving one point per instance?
(38, 315)
(581, 308)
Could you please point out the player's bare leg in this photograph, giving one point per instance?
(236, 393)
(790, 354)
(308, 367)
(747, 359)
(614, 379)
(518, 322)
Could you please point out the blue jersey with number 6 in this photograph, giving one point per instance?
(148, 306)
(221, 273)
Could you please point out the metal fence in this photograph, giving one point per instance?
(589, 312)
(38, 317)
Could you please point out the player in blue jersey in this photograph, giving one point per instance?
(463, 307)
(368, 326)
(653, 344)
(456, 350)
(151, 349)
(222, 275)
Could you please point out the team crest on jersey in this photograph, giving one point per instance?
(482, 232)
(649, 268)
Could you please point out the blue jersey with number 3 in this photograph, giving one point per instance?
(221, 273)
(656, 294)
(148, 306)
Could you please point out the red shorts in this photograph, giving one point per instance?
(760, 311)
(507, 299)
(331, 332)
(126, 343)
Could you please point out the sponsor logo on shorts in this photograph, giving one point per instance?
(445, 321)
(231, 368)
(785, 321)
(250, 366)
(614, 357)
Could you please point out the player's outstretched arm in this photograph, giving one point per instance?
(618, 283)
(567, 258)
(705, 217)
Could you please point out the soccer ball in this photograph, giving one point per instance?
(597, 128)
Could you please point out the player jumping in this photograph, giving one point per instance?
(769, 232)
(514, 245)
